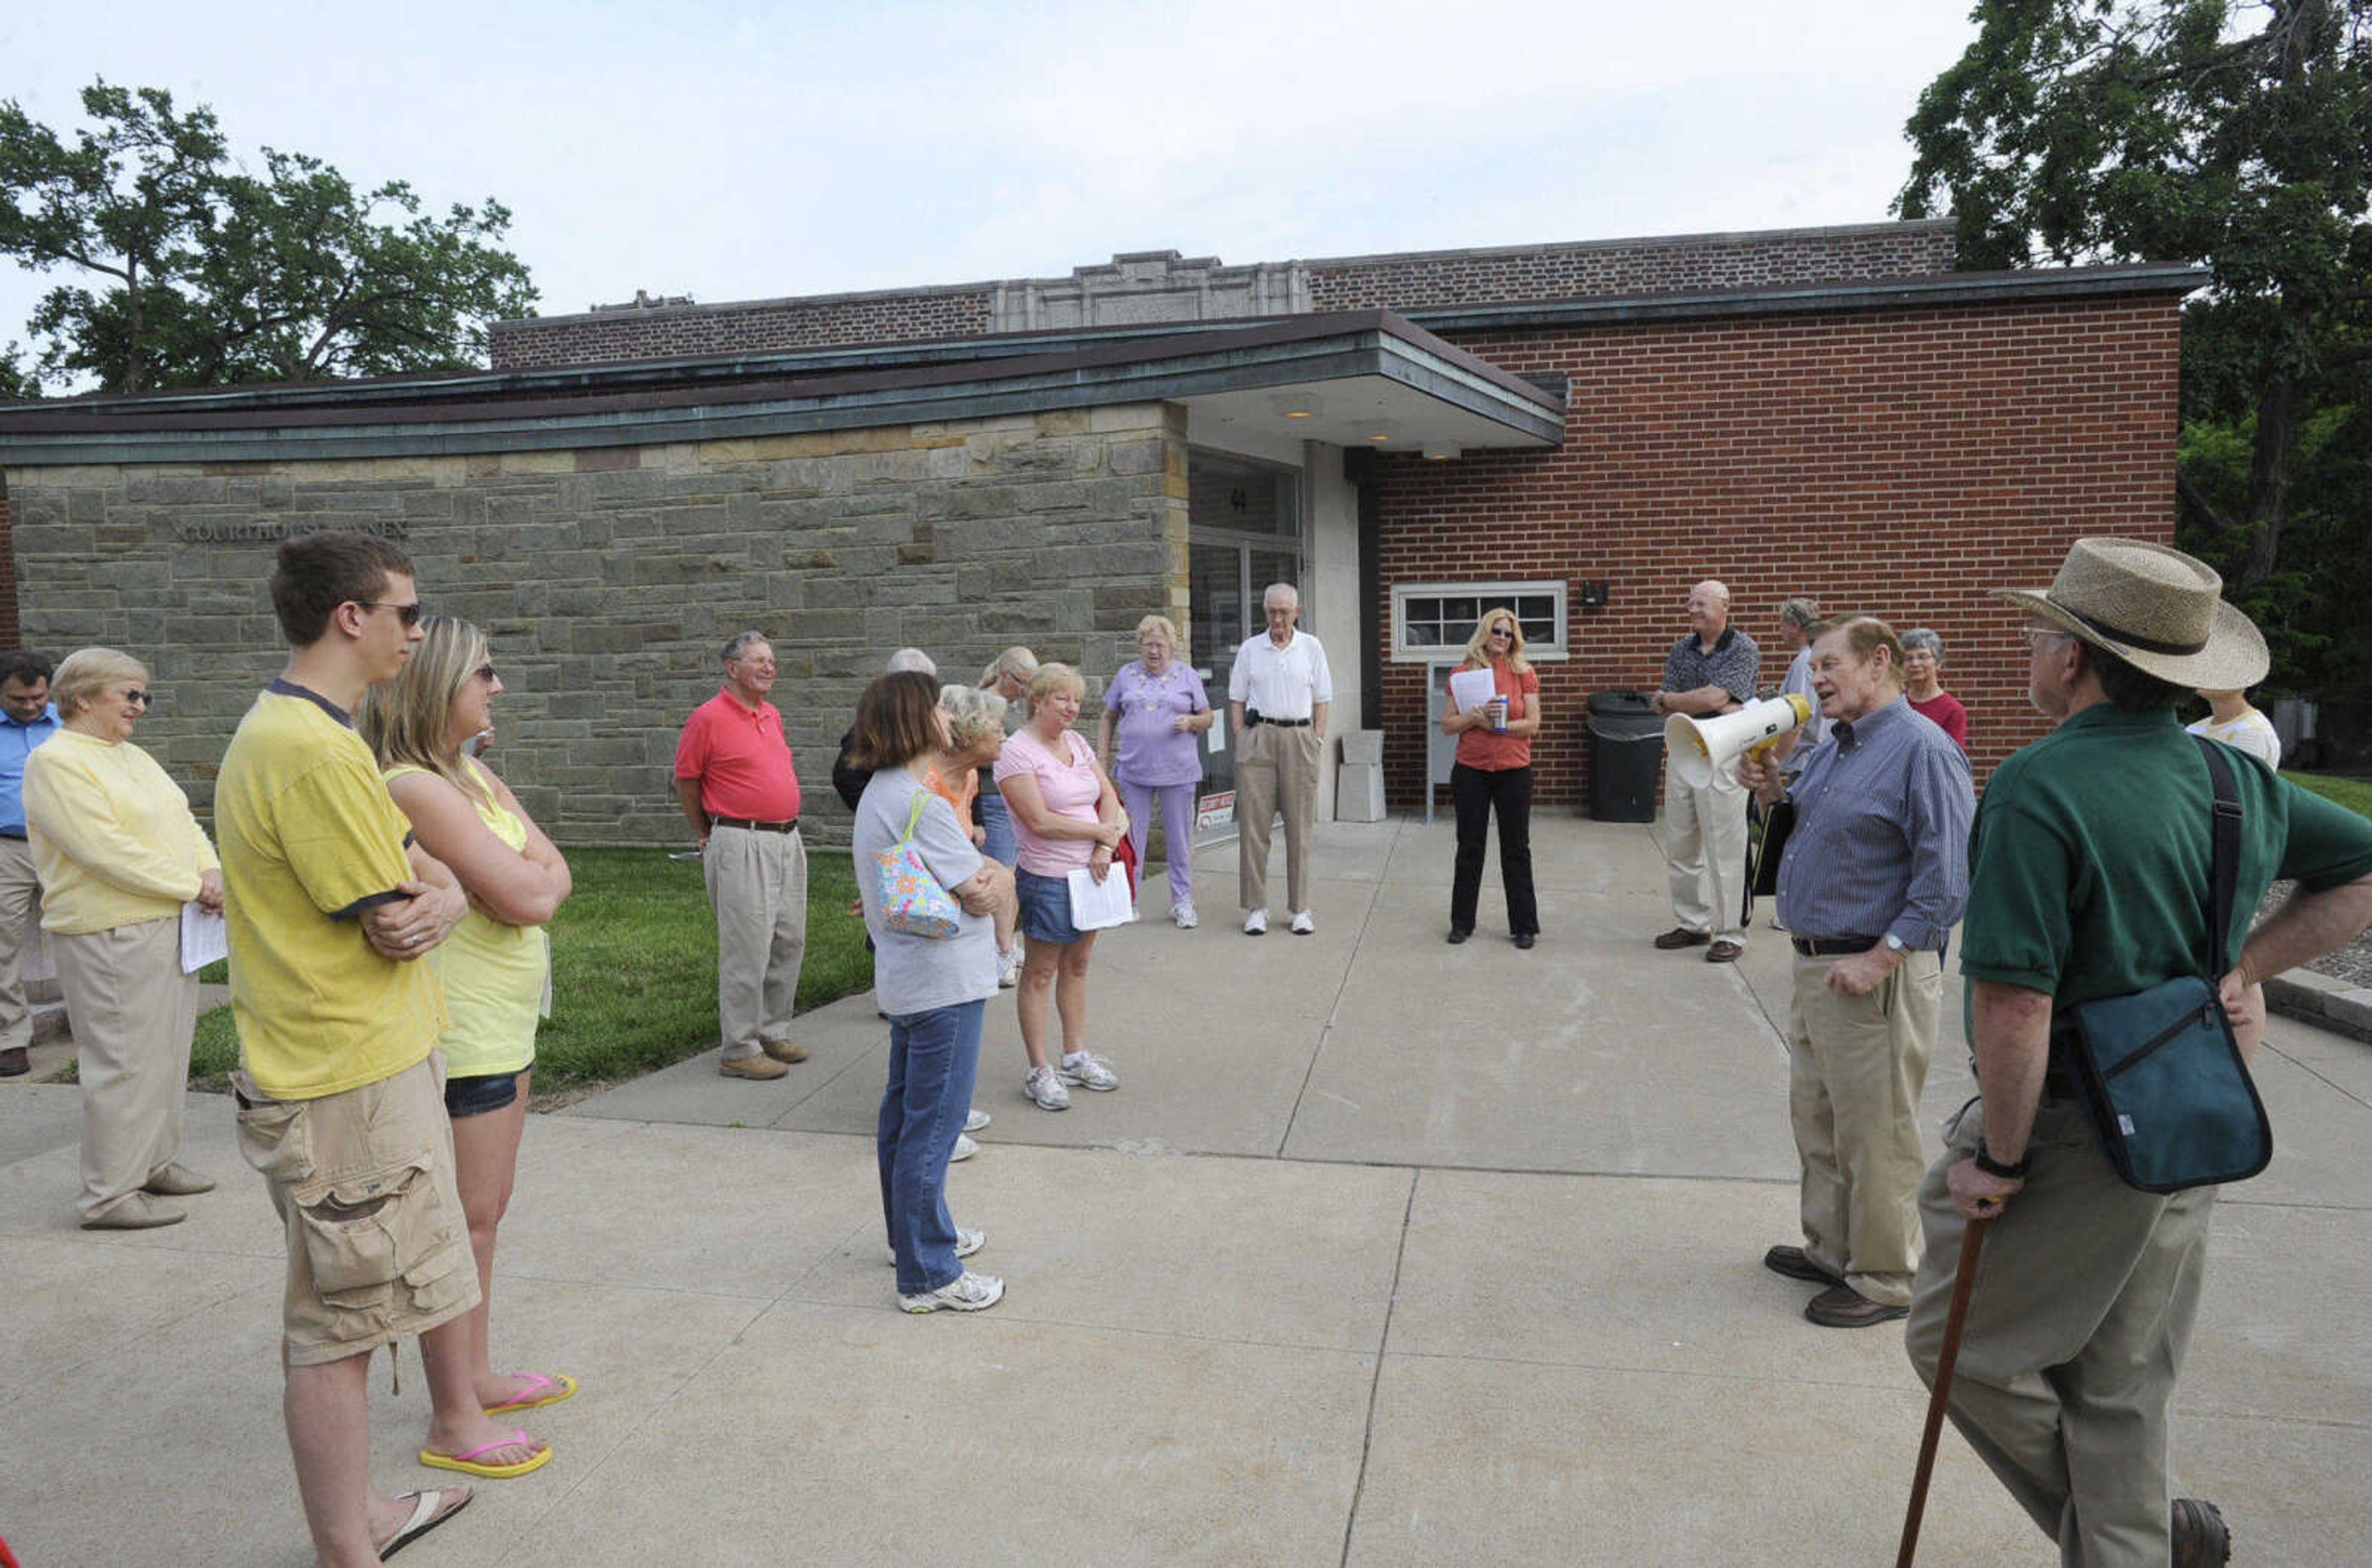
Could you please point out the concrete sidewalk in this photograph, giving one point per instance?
(1386, 1252)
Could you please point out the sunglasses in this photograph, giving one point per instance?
(134, 694)
(407, 613)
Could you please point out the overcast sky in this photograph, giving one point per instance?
(738, 152)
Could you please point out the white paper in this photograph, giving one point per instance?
(1218, 733)
(1469, 689)
(204, 938)
(1098, 906)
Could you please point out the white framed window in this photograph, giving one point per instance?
(1432, 620)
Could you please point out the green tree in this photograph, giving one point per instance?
(2234, 134)
(131, 201)
(217, 275)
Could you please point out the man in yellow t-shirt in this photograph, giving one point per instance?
(339, 1091)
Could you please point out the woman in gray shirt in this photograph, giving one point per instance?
(934, 989)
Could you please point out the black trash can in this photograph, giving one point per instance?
(1626, 746)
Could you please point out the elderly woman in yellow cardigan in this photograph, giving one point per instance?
(119, 853)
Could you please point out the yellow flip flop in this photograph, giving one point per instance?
(467, 1461)
(539, 1393)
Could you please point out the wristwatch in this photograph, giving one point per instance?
(1986, 1161)
(1895, 943)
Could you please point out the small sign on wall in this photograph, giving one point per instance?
(1214, 810)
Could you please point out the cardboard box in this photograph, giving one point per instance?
(1363, 746)
(1359, 792)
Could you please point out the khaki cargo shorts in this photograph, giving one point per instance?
(377, 1247)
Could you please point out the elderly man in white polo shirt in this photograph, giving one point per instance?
(1277, 696)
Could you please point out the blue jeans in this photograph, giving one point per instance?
(932, 1058)
(998, 822)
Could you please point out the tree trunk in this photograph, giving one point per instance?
(2270, 463)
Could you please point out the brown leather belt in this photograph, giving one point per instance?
(790, 827)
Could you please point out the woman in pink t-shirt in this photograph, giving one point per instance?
(1065, 816)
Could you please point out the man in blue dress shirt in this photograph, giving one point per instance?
(1872, 881)
(27, 718)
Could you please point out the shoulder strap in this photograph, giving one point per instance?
(2224, 876)
(914, 814)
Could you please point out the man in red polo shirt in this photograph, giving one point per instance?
(734, 775)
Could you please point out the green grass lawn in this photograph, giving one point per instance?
(2354, 794)
(634, 958)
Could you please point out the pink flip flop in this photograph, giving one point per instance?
(538, 1393)
(467, 1461)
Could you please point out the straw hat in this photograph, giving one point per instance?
(2156, 609)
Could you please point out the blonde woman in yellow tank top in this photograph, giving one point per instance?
(495, 967)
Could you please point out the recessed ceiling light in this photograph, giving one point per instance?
(1380, 438)
(1300, 413)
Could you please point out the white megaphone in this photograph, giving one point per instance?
(1700, 748)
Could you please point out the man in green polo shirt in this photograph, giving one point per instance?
(2089, 868)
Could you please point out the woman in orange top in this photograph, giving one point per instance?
(1495, 773)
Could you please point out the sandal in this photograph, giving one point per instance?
(468, 1464)
(427, 1513)
(537, 1394)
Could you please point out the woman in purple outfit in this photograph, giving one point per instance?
(1158, 707)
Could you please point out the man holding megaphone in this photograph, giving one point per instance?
(1871, 882)
(1711, 670)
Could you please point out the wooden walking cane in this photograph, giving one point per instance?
(1956, 1320)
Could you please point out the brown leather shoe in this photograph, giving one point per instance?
(783, 1051)
(752, 1067)
(1792, 1263)
(15, 1061)
(2202, 1540)
(1681, 936)
(1724, 952)
(1841, 1306)
(178, 1180)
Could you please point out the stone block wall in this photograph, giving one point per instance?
(609, 579)
(1899, 462)
(8, 626)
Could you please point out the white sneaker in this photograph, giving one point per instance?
(1303, 925)
(1008, 969)
(1183, 913)
(965, 1148)
(1089, 1071)
(1256, 923)
(967, 1292)
(1046, 1090)
(974, 1120)
(967, 1243)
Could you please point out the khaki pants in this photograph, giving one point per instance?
(1855, 1067)
(134, 1011)
(20, 903)
(758, 885)
(1704, 850)
(1277, 768)
(2085, 1298)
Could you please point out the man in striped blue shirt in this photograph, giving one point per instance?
(1872, 881)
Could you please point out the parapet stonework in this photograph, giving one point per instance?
(609, 579)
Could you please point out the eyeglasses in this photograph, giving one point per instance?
(134, 694)
(1503, 632)
(407, 613)
(2037, 635)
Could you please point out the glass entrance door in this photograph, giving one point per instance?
(1244, 533)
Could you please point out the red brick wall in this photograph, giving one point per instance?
(1629, 266)
(688, 330)
(1901, 462)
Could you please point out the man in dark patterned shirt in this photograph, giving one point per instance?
(1711, 670)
